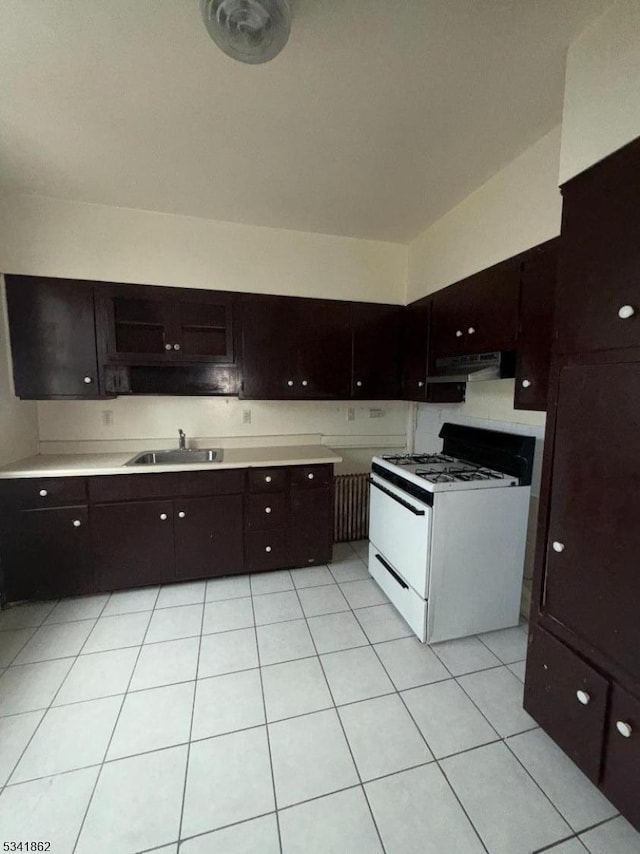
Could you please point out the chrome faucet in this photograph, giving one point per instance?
(182, 440)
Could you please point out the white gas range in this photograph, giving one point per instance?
(448, 531)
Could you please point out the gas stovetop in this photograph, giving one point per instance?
(439, 472)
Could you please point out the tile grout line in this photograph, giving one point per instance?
(266, 722)
(337, 714)
(53, 699)
(193, 709)
(115, 726)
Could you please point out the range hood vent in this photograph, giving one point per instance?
(478, 367)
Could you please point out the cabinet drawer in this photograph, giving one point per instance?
(32, 493)
(568, 698)
(131, 487)
(265, 512)
(311, 475)
(621, 778)
(267, 549)
(197, 483)
(268, 480)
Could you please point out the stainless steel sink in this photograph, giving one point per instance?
(177, 456)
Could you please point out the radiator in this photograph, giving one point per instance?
(351, 507)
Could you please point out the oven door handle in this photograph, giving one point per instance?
(392, 572)
(404, 503)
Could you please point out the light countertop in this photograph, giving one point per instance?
(86, 465)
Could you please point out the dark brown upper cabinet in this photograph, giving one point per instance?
(535, 326)
(415, 363)
(53, 338)
(377, 343)
(478, 314)
(295, 348)
(591, 581)
(598, 300)
(145, 325)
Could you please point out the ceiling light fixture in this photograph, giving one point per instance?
(252, 31)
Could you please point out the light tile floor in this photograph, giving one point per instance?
(282, 712)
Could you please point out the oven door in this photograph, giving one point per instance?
(400, 529)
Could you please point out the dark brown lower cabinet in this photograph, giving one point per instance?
(311, 528)
(133, 543)
(621, 779)
(50, 554)
(208, 536)
(568, 698)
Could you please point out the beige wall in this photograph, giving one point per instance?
(602, 91)
(517, 208)
(52, 237)
(18, 419)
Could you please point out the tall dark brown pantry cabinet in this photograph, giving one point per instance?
(583, 669)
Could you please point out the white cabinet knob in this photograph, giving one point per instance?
(526, 383)
(76, 523)
(181, 514)
(624, 729)
(176, 346)
(420, 384)
(268, 549)
(87, 380)
(311, 475)
(267, 509)
(359, 383)
(558, 547)
(268, 479)
(471, 330)
(583, 697)
(289, 383)
(459, 333)
(304, 382)
(43, 493)
(167, 346)
(163, 516)
(626, 311)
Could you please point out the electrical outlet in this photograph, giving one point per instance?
(376, 413)
(246, 416)
(107, 417)
(351, 413)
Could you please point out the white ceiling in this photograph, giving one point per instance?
(376, 119)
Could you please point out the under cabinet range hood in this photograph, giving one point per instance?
(477, 367)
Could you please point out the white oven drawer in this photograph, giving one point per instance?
(400, 526)
(412, 608)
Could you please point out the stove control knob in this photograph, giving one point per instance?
(471, 330)
(624, 729)
(420, 384)
(526, 383)
(626, 311)
(583, 697)
(459, 333)
(558, 547)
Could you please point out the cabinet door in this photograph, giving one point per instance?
(49, 554)
(568, 698)
(53, 337)
(323, 330)
(621, 779)
(535, 327)
(311, 525)
(599, 269)
(592, 582)
(449, 322)
(133, 543)
(376, 351)
(269, 357)
(138, 325)
(203, 327)
(415, 351)
(208, 534)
